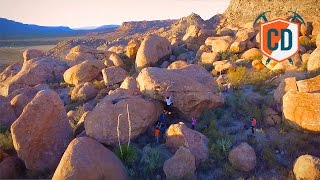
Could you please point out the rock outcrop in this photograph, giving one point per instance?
(7, 115)
(192, 88)
(307, 167)
(181, 165)
(243, 157)
(84, 91)
(301, 110)
(314, 60)
(132, 48)
(152, 51)
(113, 75)
(285, 85)
(180, 135)
(79, 54)
(85, 158)
(42, 132)
(177, 64)
(311, 85)
(102, 122)
(32, 53)
(83, 72)
(34, 72)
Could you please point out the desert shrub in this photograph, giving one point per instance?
(153, 159)
(227, 55)
(241, 108)
(268, 156)
(204, 120)
(6, 141)
(128, 155)
(3, 129)
(237, 76)
(98, 84)
(259, 77)
(224, 144)
(229, 170)
(240, 76)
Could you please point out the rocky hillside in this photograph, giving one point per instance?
(143, 26)
(95, 108)
(241, 11)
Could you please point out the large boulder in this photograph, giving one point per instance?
(243, 157)
(224, 65)
(7, 115)
(10, 71)
(32, 53)
(132, 48)
(177, 64)
(271, 117)
(102, 122)
(314, 60)
(301, 110)
(19, 102)
(80, 54)
(219, 44)
(85, 158)
(115, 59)
(285, 85)
(84, 91)
(257, 64)
(152, 51)
(207, 58)
(309, 85)
(42, 132)
(252, 54)
(34, 72)
(307, 167)
(11, 168)
(195, 37)
(83, 72)
(181, 165)
(192, 88)
(180, 135)
(113, 75)
(131, 85)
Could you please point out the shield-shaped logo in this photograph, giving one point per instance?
(279, 39)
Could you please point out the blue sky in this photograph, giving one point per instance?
(81, 13)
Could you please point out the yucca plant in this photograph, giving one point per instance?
(224, 144)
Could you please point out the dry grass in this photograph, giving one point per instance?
(10, 55)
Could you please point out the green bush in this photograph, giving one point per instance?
(240, 76)
(224, 144)
(3, 129)
(268, 155)
(6, 141)
(128, 155)
(241, 108)
(227, 55)
(152, 159)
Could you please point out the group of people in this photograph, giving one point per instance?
(162, 124)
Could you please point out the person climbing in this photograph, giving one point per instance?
(253, 124)
(162, 130)
(193, 122)
(162, 117)
(168, 104)
(156, 134)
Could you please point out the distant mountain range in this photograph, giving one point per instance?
(10, 29)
